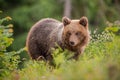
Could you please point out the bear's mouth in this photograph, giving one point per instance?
(71, 43)
(74, 45)
(71, 47)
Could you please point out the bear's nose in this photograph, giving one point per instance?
(72, 43)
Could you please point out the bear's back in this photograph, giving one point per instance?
(44, 26)
(39, 37)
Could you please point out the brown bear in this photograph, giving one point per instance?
(68, 34)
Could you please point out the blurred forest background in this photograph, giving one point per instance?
(25, 13)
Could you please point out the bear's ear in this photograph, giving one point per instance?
(84, 21)
(66, 21)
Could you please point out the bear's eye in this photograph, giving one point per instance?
(77, 33)
(68, 33)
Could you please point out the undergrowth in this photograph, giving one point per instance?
(100, 60)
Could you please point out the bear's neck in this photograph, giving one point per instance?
(60, 33)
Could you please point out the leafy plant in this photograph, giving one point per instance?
(8, 60)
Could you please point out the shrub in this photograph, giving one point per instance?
(8, 60)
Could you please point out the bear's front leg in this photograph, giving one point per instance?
(78, 53)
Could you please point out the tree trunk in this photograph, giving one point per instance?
(67, 8)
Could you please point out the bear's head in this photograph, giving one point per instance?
(75, 32)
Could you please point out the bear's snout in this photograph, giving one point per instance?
(73, 40)
(71, 43)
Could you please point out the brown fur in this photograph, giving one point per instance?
(68, 34)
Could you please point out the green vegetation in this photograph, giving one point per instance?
(8, 60)
(100, 61)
